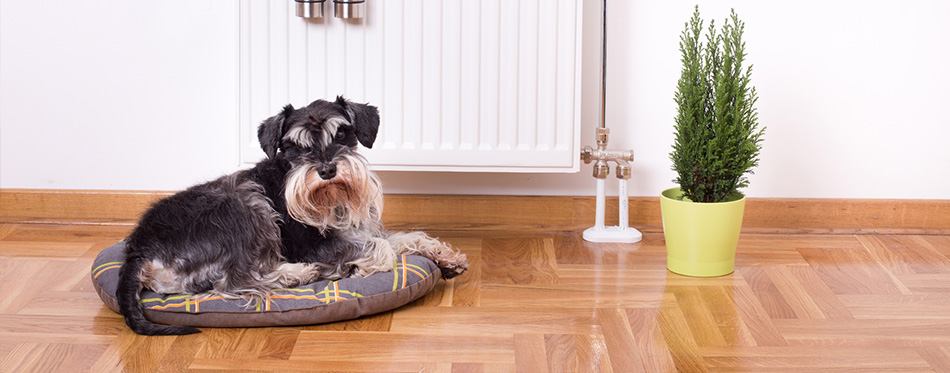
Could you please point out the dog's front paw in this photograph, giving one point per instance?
(451, 269)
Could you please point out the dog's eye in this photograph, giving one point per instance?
(340, 134)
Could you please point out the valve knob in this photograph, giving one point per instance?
(587, 154)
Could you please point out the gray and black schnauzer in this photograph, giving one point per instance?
(310, 210)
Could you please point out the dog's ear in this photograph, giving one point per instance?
(271, 131)
(364, 118)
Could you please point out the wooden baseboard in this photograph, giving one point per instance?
(762, 215)
(80, 206)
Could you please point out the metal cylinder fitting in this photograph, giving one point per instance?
(349, 9)
(601, 169)
(310, 8)
(623, 170)
(624, 155)
(602, 137)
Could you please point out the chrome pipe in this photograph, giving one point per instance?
(603, 67)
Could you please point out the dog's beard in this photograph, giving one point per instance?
(351, 200)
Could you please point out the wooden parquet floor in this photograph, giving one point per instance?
(533, 302)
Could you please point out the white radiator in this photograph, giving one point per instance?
(473, 85)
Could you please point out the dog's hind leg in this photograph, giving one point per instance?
(450, 261)
(130, 305)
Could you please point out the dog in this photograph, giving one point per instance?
(310, 210)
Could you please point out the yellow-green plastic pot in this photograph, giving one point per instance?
(701, 238)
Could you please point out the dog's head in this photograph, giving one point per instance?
(329, 184)
(326, 128)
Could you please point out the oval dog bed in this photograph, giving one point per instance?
(320, 302)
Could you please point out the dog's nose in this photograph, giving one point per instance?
(327, 171)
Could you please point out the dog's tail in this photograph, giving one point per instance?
(131, 307)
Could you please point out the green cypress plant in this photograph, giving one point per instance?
(718, 139)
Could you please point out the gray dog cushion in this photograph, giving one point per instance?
(320, 302)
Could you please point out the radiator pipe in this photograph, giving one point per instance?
(601, 157)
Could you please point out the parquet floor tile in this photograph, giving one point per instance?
(532, 301)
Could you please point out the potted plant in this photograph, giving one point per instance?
(718, 141)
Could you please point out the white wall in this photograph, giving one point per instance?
(112, 94)
(851, 92)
